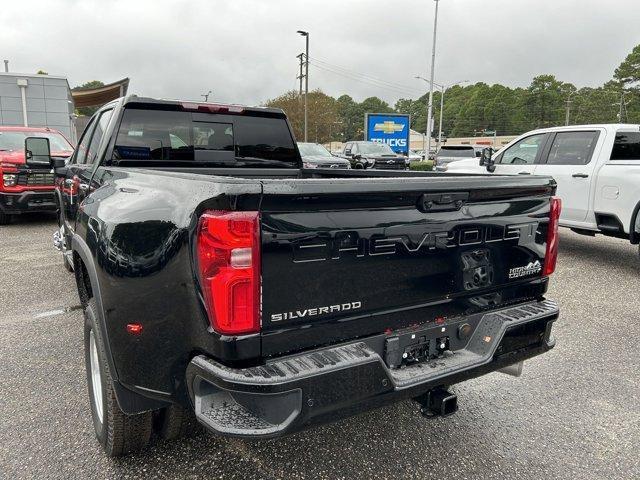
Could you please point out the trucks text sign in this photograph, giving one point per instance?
(392, 129)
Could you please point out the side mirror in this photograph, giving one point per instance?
(347, 153)
(37, 152)
(486, 159)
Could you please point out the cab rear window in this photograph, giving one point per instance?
(201, 139)
(626, 146)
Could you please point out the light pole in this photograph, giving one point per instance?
(433, 64)
(306, 78)
(443, 88)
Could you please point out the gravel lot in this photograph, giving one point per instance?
(575, 412)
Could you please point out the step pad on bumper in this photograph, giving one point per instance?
(289, 392)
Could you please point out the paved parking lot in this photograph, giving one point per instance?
(575, 412)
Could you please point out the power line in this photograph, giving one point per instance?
(365, 75)
(363, 80)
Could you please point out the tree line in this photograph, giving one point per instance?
(471, 109)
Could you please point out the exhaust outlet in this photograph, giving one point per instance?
(438, 403)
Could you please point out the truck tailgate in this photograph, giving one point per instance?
(343, 259)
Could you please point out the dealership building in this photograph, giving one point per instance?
(37, 101)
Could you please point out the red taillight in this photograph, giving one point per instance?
(228, 247)
(551, 255)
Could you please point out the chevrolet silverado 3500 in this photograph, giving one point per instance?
(222, 281)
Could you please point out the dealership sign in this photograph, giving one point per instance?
(390, 128)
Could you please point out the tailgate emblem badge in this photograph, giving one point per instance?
(530, 269)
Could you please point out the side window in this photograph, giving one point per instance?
(347, 148)
(523, 152)
(626, 146)
(572, 148)
(354, 149)
(83, 144)
(98, 133)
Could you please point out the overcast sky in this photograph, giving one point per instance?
(245, 50)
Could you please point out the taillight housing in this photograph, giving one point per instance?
(551, 255)
(228, 256)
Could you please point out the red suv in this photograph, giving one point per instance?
(22, 188)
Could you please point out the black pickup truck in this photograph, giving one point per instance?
(221, 281)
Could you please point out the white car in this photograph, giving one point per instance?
(597, 168)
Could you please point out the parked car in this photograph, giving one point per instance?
(374, 155)
(221, 280)
(452, 153)
(315, 155)
(597, 168)
(27, 189)
(416, 155)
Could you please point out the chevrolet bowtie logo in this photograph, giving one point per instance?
(388, 127)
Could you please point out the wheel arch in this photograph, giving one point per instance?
(634, 227)
(88, 285)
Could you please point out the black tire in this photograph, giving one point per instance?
(177, 422)
(67, 264)
(5, 219)
(117, 432)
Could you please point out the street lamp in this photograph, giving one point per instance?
(433, 65)
(306, 78)
(443, 88)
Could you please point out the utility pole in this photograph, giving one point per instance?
(300, 75)
(6, 66)
(622, 106)
(206, 95)
(306, 79)
(433, 64)
(566, 117)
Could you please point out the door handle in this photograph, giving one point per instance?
(524, 173)
(579, 175)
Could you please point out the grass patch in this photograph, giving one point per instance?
(422, 166)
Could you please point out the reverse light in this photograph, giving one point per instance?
(228, 256)
(9, 179)
(551, 254)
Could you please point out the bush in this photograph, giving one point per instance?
(422, 166)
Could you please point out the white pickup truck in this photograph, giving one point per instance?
(597, 168)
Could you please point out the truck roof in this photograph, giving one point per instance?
(607, 126)
(134, 99)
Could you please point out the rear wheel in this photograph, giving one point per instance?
(117, 432)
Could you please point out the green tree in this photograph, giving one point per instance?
(629, 69)
(324, 124)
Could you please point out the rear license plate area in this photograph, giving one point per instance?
(415, 345)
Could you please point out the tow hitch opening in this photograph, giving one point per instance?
(438, 403)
